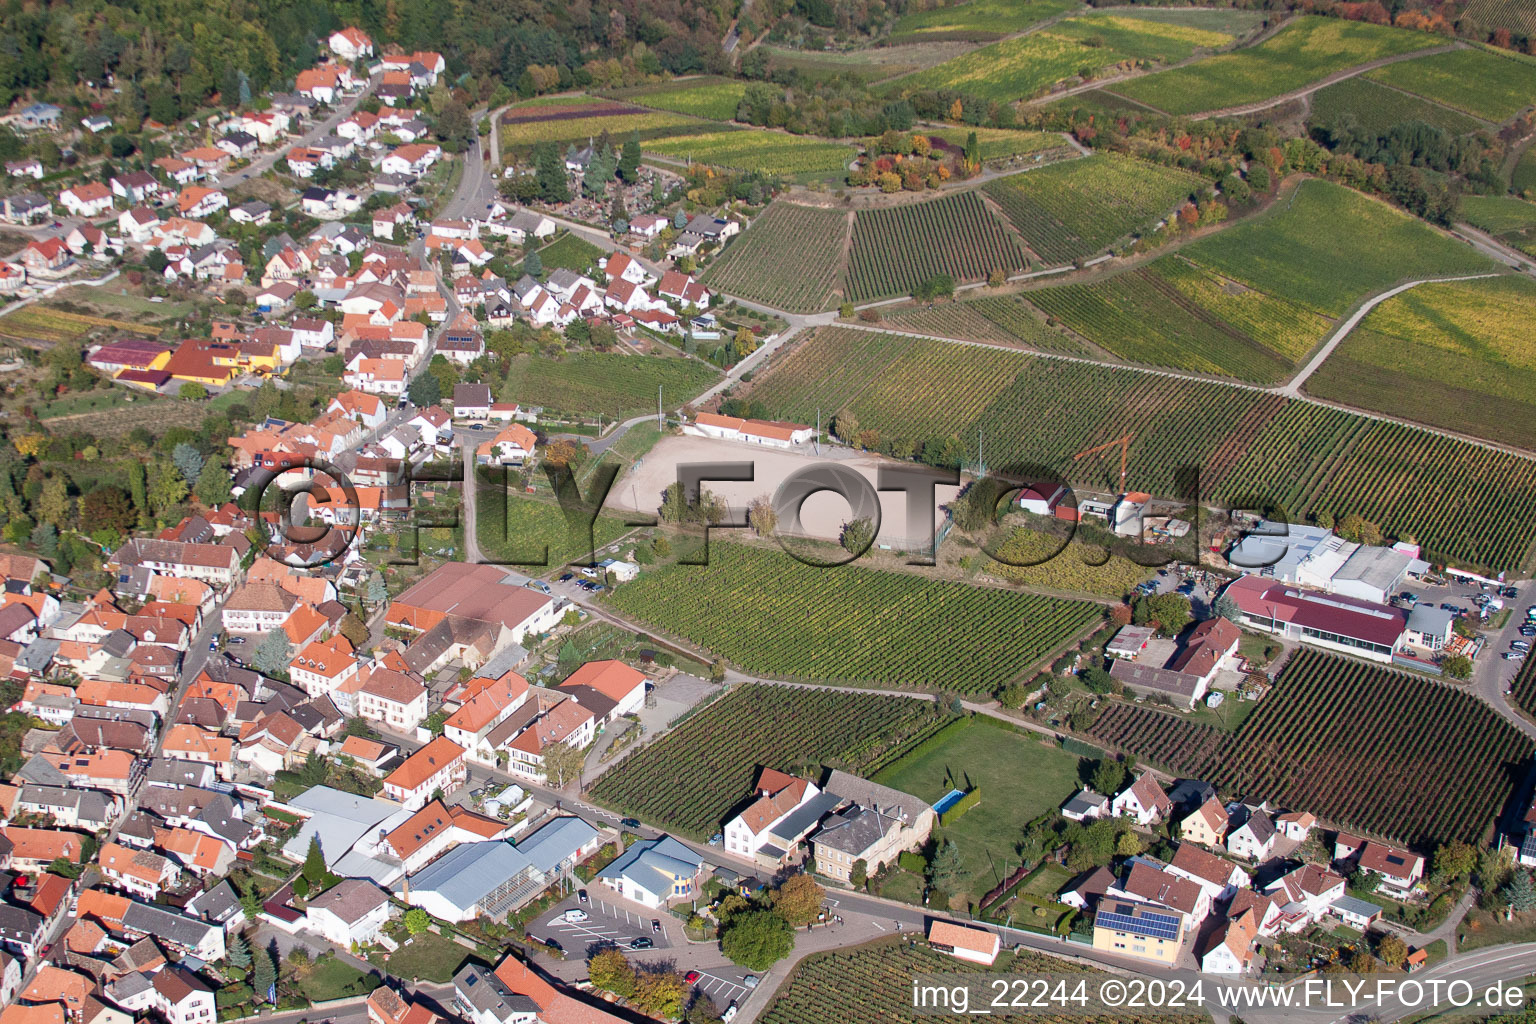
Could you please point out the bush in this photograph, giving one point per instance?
(914, 862)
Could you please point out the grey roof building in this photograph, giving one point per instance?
(474, 880)
(556, 845)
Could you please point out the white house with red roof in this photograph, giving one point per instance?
(513, 446)
(620, 683)
(350, 43)
(91, 199)
(438, 765)
(621, 266)
(682, 290)
(1143, 801)
(733, 428)
(1400, 870)
(776, 796)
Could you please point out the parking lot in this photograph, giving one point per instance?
(608, 923)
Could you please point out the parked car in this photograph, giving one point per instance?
(581, 895)
(730, 1013)
(750, 981)
(237, 639)
(567, 577)
(1509, 592)
(213, 645)
(1512, 655)
(1447, 606)
(630, 823)
(642, 942)
(691, 977)
(575, 915)
(656, 925)
(1528, 630)
(1408, 598)
(716, 839)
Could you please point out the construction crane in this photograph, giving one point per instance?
(1124, 444)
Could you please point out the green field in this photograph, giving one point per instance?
(753, 266)
(1376, 108)
(768, 613)
(1457, 355)
(897, 248)
(1330, 248)
(1498, 214)
(865, 65)
(1522, 181)
(572, 252)
(1511, 220)
(1246, 444)
(533, 533)
(983, 752)
(1001, 318)
(1483, 83)
(758, 150)
(1309, 49)
(610, 384)
(1073, 209)
(712, 98)
(976, 20)
(689, 780)
(1175, 313)
(1024, 66)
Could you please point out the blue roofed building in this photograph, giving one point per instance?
(558, 846)
(655, 872)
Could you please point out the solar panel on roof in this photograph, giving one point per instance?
(1157, 926)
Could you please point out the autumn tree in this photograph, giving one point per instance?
(763, 516)
(611, 971)
(1392, 951)
(798, 899)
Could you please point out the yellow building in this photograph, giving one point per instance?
(1141, 930)
(1207, 825)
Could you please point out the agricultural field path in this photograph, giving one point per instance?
(1292, 388)
(1322, 83)
(1490, 246)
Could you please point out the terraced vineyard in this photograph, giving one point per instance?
(1457, 355)
(589, 383)
(899, 247)
(1071, 210)
(712, 98)
(1250, 447)
(768, 613)
(1376, 108)
(1000, 318)
(1300, 254)
(1524, 688)
(688, 781)
(40, 325)
(571, 119)
(872, 984)
(754, 266)
(757, 150)
(1483, 83)
(1026, 65)
(1173, 313)
(1001, 143)
(1305, 51)
(975, 21)
(1359, 745)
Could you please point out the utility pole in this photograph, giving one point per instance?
(660, 425)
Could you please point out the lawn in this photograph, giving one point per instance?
(1046, 881)
(1330, 247)
(1309, 49)
(523, 534)
(335, 979)
(1483, 83)
(572, 252)
(606, 383)
(426, 957)
(1457, 355)
(983, 752)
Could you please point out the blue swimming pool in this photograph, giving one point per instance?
(948, 800)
